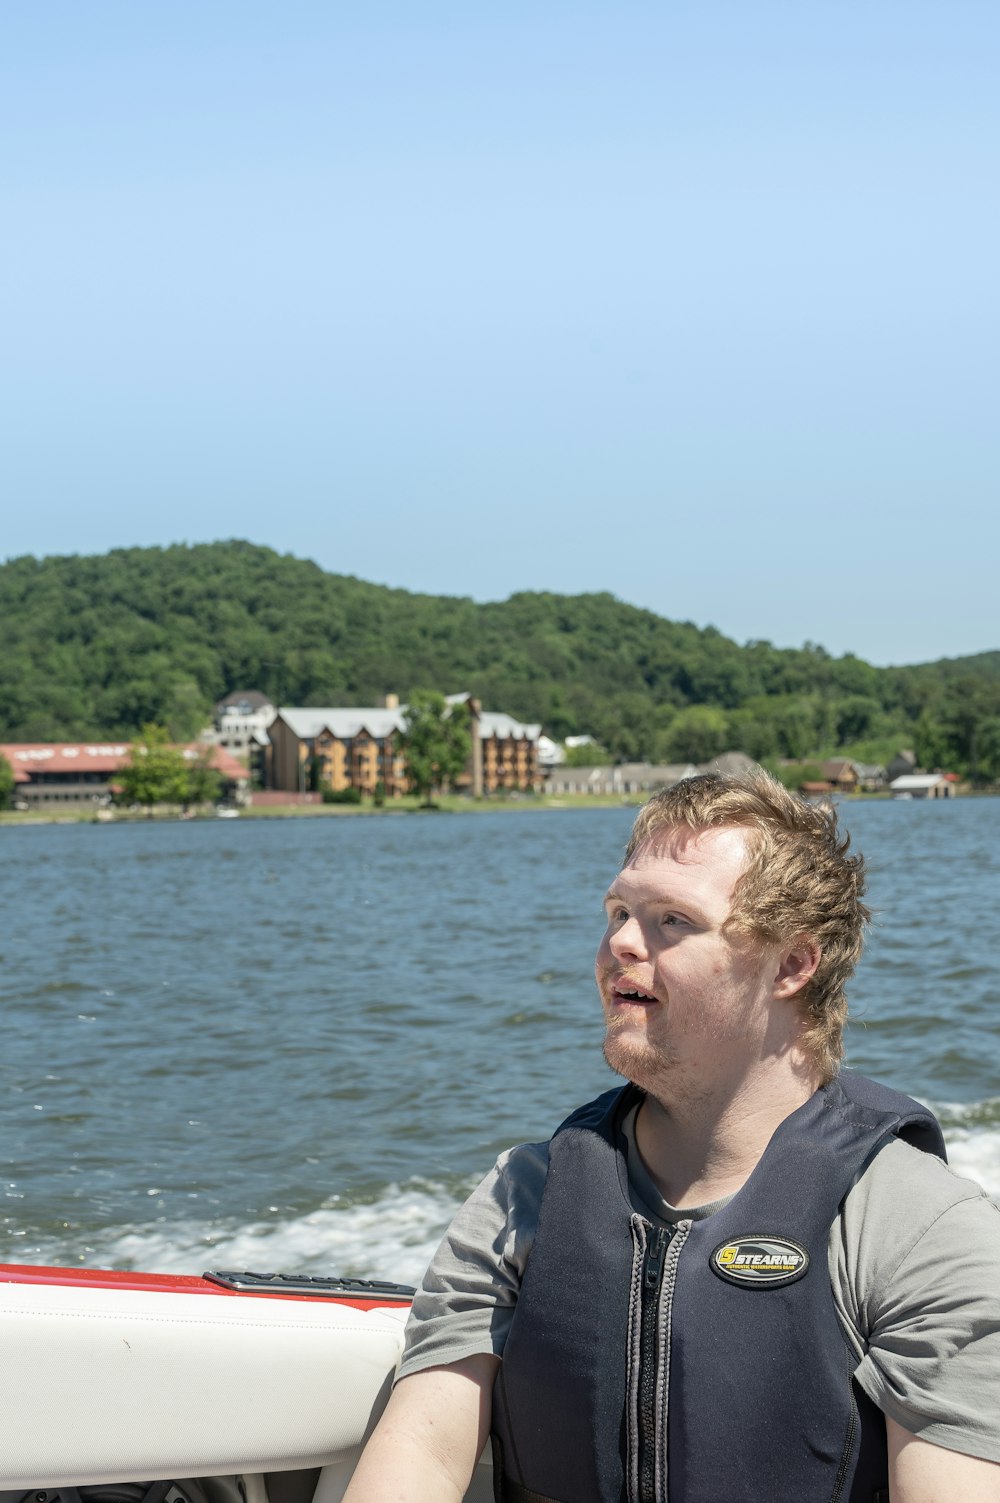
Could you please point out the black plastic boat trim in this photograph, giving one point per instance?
(296, 1283)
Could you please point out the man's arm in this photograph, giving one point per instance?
(922, 1473)
(428, 1441)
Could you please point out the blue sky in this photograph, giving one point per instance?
(695, 303)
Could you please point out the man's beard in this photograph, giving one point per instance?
(636, 1059)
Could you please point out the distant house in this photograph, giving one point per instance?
(902, 764)
(847, 776)
(923, 785)
(79, 773)
(550, 753)
(843, 774)
(241, 721)
(64, 772)
(871, 777)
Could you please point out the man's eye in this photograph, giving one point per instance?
(671, 918)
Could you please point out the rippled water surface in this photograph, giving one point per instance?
(299, 1041)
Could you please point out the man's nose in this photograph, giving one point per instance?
(627, 941)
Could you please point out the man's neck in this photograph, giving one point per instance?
(697, 1150)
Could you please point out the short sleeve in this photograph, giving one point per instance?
(466, 1301)
(922, 1256)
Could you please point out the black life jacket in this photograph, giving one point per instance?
(702, 1364)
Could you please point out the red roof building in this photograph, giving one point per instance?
(82, 772)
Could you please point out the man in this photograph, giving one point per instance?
(745, 1277)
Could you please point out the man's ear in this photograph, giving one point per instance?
(796, 966)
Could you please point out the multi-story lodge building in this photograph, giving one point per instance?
(361, 748)
(332, 748)
(506, 752)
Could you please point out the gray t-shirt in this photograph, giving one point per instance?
(914, 1260)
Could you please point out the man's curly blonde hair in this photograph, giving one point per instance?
(799, 881)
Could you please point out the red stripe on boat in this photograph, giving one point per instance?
(164, 1283)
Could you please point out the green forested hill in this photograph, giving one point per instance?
(96, 646)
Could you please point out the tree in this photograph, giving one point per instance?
(988, 748)
(752, 732)
(794, 720)
(968, 705)
(155, 772)
(591, 754)
(188, 709)
(858, 716)
(6, 783)
(436, 742)
(203, 782)
(696, 734)
(931, 742)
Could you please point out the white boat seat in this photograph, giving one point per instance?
(108, 1385)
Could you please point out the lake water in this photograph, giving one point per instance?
(297, 1043)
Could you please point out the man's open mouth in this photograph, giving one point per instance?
(626, 991)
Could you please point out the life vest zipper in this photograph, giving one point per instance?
(652, 1280)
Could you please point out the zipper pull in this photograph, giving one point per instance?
(655, 1250)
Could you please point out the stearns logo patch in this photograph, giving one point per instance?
(761, 1262)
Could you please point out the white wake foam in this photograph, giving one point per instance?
(391, 1238)
(975, 1154)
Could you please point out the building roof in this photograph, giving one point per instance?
(910, 782)
(495, 723)
(505, 727)
(309, 723)
(870, 770)
(837, 766)
(732, 763)
(30, 757)
(108, 757)
(253, 699)
(231, 768)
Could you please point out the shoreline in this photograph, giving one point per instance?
(447, 804)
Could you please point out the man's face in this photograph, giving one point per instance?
(687, 1005)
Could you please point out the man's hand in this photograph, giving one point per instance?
(922, 1473)
(429, 1439)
